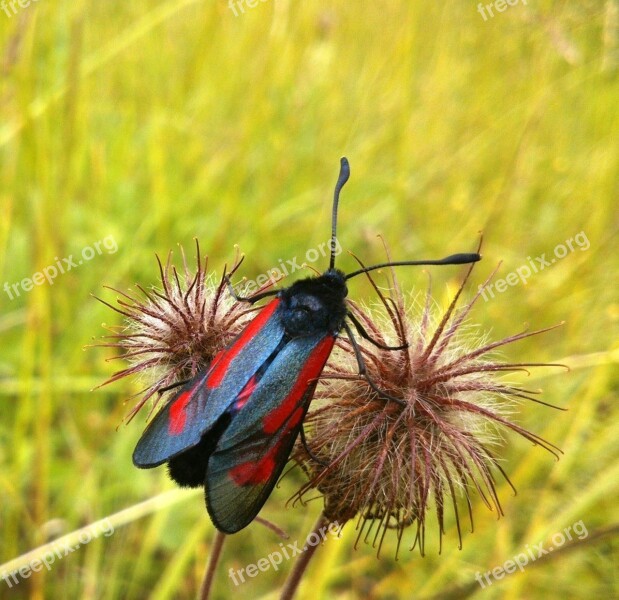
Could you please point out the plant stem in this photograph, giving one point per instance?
(274, 528)
(292, 583)
(209, 575)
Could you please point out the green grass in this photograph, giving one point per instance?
(157, 122)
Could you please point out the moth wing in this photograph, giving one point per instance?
(199, 405)
(252, 452)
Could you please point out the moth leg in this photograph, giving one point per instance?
(363, 369)
(167, 388)
(310, 453)
(365, 335)
(248, 299)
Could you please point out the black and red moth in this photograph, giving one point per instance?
(232, 427)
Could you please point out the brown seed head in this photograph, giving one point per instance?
(171, 333)
(389, 462)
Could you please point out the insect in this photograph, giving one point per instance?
(232, 427)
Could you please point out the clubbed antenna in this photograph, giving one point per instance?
(341, 180)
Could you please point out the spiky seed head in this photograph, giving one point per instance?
(390, 462)
(172, 332)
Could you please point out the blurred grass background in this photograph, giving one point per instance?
(160, 121)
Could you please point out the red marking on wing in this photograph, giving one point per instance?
(219, 369)
(260, 471)
(178, 416)
(217, 358)
(245, 393)
(312, 368)
(295, 419)
(254, 473)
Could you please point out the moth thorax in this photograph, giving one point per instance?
(306, 314)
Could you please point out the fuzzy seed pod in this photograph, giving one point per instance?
(389, 462)
(172, 333)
